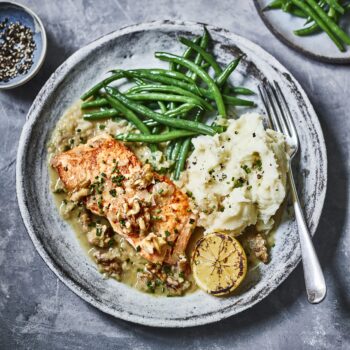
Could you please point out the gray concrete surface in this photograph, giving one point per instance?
(39, 312)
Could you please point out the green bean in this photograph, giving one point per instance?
(203, 44)
(201, 73)
(169, 150)
(297, 12)
(219, 128)
(280, 5)
(173, 66)
(172, 106)
(100, 102)
(162, 106)
(162, 97)
(189, 51)
(332, 13)
(171, 135)
(156, 130)
(239, 90)
(150, 122)
(138, 81)
(176, 150)
(274, 5)
(183, 153)
(203, 92)
(176, 112)
(180, 165)
(164, 72)
(152, 105)
(310, 12)
(172, 122)
(336, 6)
(235, 101)
(313, 29)
(331, 24)
(95, 89)
(173, 89)
(130, 116)
(205, 55)
(162, 79)
(184, 145)
(107, 113)
(182, 109)
(309, 19)
(222, 78)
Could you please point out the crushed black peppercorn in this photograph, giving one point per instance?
(16, 49)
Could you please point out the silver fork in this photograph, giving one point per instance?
(281, 120)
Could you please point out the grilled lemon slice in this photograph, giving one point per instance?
(219, 264)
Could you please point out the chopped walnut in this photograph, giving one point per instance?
(109, 262)
(162, 277)
(67, 208)
(258, 245)
(84, 220)
(135, 209)
(140, 179)
(153, 242)
(98, 236)
(172, 282)
(162, 189)
(134, 216)
(76, 196)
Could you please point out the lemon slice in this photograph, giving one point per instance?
(219, 264)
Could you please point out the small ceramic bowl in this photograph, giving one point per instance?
(19, 13)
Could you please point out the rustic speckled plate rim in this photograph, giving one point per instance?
(55, 80)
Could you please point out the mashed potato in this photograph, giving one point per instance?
(238, 178)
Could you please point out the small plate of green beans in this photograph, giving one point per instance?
(319, 29)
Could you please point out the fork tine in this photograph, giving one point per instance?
(271, 103)
(263, 95)
(287, 114)
(279, 114)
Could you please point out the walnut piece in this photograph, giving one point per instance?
(258, 245)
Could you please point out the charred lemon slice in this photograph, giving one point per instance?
(219, 264)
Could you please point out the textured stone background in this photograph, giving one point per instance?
(39, 312)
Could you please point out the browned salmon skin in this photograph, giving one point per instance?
(146, 208)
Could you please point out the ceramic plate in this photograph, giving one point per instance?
(318, 46)
(53, 237)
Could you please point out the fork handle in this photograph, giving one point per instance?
(314, 280)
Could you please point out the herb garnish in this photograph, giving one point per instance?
(117, 179)
(246, 169)
(113, 192)
(238, 183)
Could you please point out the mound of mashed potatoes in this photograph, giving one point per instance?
(238, 178)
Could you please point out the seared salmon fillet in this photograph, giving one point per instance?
(146, 208)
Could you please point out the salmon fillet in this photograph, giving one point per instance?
(146, 208)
